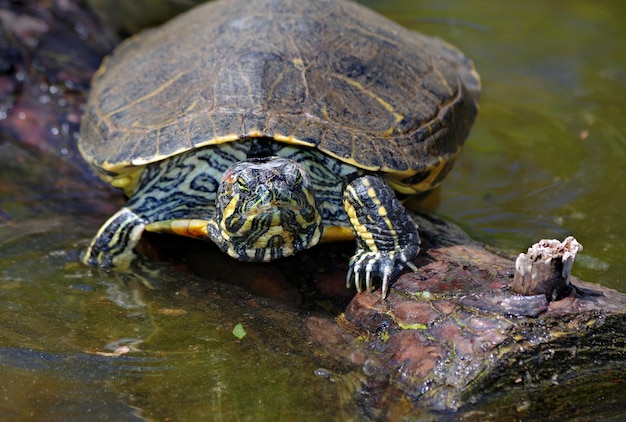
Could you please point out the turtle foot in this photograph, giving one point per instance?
(366, 265)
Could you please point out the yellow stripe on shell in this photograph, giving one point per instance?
(398, 117)
(215, 141)
(395, 178)
(126, 177)
(289, 139)
(127, 182)
(157, 91)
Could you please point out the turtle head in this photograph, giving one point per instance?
(266, 209)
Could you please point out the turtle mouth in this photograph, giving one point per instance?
(271, 230)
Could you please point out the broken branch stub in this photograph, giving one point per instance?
(546, 268)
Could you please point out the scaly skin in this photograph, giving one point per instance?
(265, 208)
(386, 237)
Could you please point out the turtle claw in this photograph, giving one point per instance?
(385, 286)
(411, 265)
(382, 265)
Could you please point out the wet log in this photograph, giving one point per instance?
(456, 330)
(546, 268)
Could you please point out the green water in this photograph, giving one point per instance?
(545, 160)
(546, 157)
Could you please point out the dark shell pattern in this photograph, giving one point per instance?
(331, 75)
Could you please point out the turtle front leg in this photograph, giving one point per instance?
(114, 243)
(386, 237)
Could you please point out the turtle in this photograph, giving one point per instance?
(267, 126)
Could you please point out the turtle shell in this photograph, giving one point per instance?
(331, 75)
